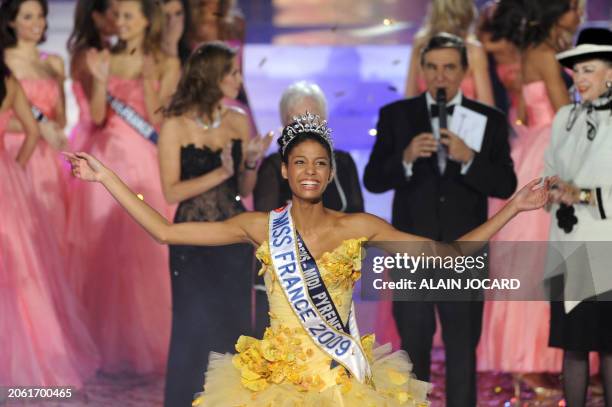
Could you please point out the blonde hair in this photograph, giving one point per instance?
(451, 16)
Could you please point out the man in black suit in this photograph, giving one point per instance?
(441, 189)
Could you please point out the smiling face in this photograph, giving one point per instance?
(130, 20)
(590, 78)
(30, 22)
(308, 170)
(231, 82)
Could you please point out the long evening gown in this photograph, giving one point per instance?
(82, 132)
(515, 334)
(286, 368)
(46, 169)
(119, 272)
(203, 320)
(43, 337)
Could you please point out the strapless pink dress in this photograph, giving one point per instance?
(46, 169)
(515, 333)
(43, 337)
(119, 272)
(81, 134)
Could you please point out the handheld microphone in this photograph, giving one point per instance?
(441, 102)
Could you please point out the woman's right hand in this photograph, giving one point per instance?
(98, 63)
(86, 167)
(227, 161)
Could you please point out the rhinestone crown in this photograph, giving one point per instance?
(306, 123)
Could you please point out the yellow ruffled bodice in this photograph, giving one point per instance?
(286, 369)
(286, 353)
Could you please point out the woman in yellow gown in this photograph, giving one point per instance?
(292, 365)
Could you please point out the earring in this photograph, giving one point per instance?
(608, 84)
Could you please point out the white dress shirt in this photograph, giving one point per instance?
(435, 127)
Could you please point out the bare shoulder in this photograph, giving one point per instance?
(56, 64)
(238, 121)
(360, 224)
(172, 129)
(236, 113)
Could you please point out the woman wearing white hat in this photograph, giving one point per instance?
(580, 153)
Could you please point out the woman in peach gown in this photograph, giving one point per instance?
(94, 25)
(44, 341)
(119, 273)
(515, 334)
(42, 77)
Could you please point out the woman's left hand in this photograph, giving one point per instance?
(257, 147)
(532, 196)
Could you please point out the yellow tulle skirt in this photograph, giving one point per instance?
(394, 385)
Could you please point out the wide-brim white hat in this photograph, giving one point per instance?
(593, 43)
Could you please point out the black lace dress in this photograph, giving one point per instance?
(211, 286)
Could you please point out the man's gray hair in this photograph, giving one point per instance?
(296, 93)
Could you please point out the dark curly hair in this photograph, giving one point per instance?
(8, 12)
(199, 85)
(526, 23)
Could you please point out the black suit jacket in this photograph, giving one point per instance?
(440, 207)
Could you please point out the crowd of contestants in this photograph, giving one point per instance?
(83, 289)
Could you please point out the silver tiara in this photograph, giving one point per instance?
(306, 123)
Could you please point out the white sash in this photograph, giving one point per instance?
(343, 348)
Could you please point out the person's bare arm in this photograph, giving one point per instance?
(155, 98)
(23, 112)
(169, 152)
(248, 227)
(528, 198)
(480, 71)
(57, 64)
(550, 71)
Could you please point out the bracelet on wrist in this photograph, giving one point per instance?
(250, 167)
(585, 196)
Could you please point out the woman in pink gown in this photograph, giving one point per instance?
(41, 77)
(515, 334)
(121, 275)
(94, 24)
(44, 341)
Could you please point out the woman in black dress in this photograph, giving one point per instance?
(207, 163)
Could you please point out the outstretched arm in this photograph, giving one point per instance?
(530, 197)
(245, 228)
